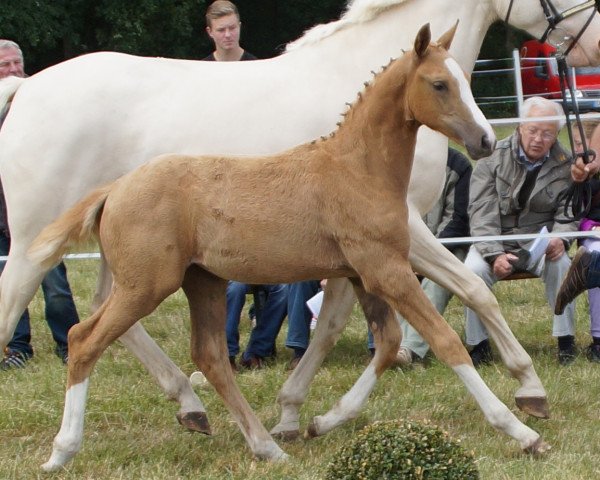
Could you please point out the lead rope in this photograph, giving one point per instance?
(578, 197)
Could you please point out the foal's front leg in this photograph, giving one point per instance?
(394, 281)
(386, 331)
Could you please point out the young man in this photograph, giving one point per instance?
(61, 313)
(223, 25)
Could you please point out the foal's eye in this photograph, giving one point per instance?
(440, 86)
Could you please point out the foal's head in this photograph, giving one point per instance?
(438, 95)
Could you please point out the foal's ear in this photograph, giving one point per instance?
(446, 39)
(422, 41)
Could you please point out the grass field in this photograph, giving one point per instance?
(131, 431)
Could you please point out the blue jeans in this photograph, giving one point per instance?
(299, 315)
(268, 321)
(61, 313)
(593, 275)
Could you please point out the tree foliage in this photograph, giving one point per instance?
(50, 31)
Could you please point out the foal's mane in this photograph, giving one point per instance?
(357, 11)
(355, 107)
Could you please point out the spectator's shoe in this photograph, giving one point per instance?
(481, 354)
(574, 282)
(253, 362)
(566, 350)
(294, 362)
(593, 353)
(234, 368)
(405, 357)
(63, 354)
(14, 359)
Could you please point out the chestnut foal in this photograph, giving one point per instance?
(335, 207)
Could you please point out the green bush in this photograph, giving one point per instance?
(402, 449)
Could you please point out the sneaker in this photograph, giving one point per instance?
(481, 354)
(404, 357)
(14, 359)
(567, 354)
(575, 281)
(593, 353)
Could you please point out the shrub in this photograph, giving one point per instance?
(402, 449)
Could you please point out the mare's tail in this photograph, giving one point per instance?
(8, 88)
(74, 226)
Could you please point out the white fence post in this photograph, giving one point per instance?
(518, 80)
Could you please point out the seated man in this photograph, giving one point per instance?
(268, 322)
(518, 190)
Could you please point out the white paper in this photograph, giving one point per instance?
(314, 304)
(538, 249)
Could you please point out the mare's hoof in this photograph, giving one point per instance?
(539, 448)
(195, 421)
(311, 431)
(286, 436)
(534, 406)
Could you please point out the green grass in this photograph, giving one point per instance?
(131, 431)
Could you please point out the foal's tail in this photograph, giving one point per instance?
(8, 88)
(74, 226)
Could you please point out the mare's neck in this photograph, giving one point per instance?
(395, 29)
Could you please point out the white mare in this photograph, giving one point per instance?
(89, 120)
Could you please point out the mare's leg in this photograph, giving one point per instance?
(387, 334)
(206, 296)
(19, 281)
(430, 258)
(87, 341)
(335, 311)
(389, 276)
(170, 378)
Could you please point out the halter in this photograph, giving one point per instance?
(578, 195)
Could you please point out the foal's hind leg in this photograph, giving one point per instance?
(386, 331)
(170, 378)
(431, 259)
(87, 341)
(337, 305)
(206, 296)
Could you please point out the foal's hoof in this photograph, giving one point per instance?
(539, 448)
(534, 406)
(195, 421)
(286, 436)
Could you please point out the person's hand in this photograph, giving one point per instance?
(555, 249)
(581, 171)
(502, 265)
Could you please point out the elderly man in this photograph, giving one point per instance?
(61, 313)
(518, 189)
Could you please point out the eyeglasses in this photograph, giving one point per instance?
(546, 135)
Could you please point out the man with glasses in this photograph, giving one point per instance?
(518, 190)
